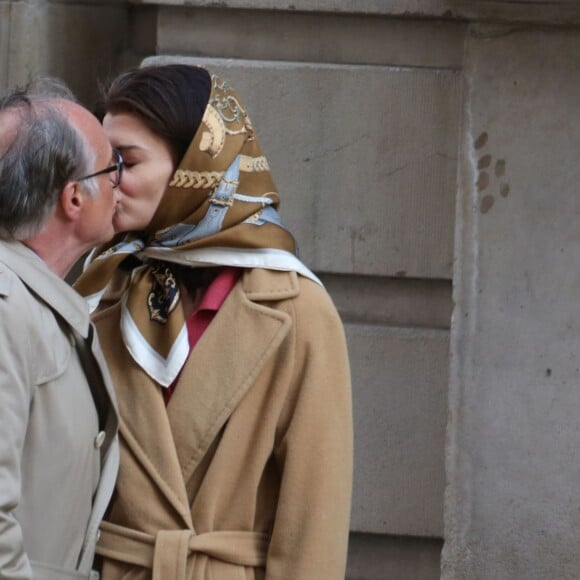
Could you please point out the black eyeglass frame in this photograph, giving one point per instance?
(117, 167)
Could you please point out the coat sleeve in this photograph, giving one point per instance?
(314, 449)
(15, 400)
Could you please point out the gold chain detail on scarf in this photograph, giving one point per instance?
(208, 179)
(195, 179)
(253, 164)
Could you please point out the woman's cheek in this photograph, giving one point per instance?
(128, 186)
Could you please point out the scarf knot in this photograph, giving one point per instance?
(164, 295)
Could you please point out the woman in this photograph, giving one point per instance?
(228, 355)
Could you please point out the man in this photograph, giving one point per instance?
(58, 420)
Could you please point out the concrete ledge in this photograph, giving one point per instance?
(117, 3)
(421, 8)
(374, 557)
(391, 301)
(554, 12)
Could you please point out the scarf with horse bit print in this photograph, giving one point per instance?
(218, 209)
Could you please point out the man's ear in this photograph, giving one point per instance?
(72, 199)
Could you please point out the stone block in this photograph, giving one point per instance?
(391, 301)
(309, 37)
(373, 557)
(400, 412)
(364, 158)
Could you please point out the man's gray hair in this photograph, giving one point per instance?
(40, 152)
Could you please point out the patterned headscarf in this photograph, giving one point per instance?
(220, 208)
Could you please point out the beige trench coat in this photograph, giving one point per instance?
(247, 474)
(53, 488)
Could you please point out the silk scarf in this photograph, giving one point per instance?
(219, 208)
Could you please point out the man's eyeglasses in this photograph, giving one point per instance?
(116, 170)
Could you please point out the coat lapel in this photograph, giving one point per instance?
(144, 425)
(226, 361)
(150, 439)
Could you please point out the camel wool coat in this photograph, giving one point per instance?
(247, 474)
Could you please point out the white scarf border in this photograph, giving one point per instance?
(165, 370)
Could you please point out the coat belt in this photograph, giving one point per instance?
(166, 553)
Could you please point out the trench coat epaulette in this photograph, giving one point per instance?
(5, 281)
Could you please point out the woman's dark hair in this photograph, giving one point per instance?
(169, 99)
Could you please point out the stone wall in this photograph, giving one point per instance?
(77, 40)
(513, 500)
(359, 114)
(414, 142)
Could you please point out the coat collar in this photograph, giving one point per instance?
(34, 272)
(267, 285)
(244, 331)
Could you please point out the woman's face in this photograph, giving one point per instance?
(149, 166)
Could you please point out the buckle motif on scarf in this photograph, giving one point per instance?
(164, 295)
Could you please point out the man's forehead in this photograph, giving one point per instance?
(83, 119)
(87, 124)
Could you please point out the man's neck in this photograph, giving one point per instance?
(54, 253)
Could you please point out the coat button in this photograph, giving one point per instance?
(99, 440)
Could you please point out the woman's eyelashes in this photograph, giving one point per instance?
(129, 161)
(130, 157)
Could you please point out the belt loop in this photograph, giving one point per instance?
(170, 554)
